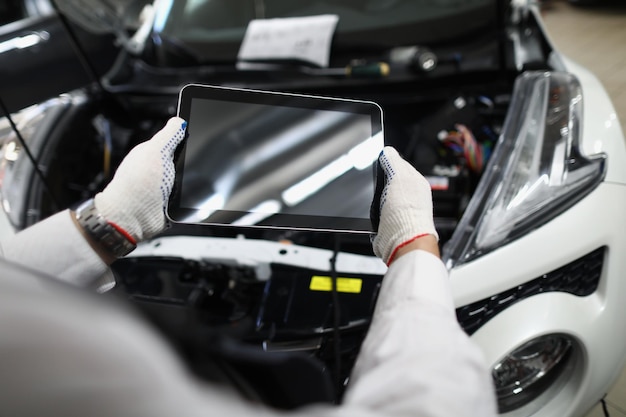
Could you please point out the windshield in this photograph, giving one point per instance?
(212, 30)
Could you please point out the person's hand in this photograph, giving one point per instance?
(136, 197)
(402, 210)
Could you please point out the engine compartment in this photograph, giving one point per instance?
(449, 140)
(210, 307)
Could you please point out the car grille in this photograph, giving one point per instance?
(580, 277)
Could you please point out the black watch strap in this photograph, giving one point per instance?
(102, 231)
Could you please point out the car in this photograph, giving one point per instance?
(522, 147)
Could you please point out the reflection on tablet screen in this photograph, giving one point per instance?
(288, 162)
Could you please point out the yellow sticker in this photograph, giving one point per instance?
(321, 283)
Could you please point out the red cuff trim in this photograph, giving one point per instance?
(124, 233)
(403, 244)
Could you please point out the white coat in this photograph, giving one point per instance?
(70, 353)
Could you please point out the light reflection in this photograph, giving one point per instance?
(20, 42)
(259, 213)
(11, 152)
(315, 182)
(163, 8)
(364, 154)
(558, 170)
(526, 191)
(288, 138)
(206, 208)
(359, 157)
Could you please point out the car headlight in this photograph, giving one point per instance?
(531, 369)
(16, 170)
(536, 172)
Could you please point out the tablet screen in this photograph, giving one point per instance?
(264, 159)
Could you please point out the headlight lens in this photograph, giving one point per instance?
(530, 370)
(16, 170)
(536, 172)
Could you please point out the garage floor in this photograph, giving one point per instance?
(595, 38)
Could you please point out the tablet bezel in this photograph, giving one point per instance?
(191, 92)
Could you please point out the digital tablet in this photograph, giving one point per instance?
(276, 160)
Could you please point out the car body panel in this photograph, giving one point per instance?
(257, 253)
(46, 44)
(602, 131)
(591, 319)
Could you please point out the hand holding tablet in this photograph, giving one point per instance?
(275, 160)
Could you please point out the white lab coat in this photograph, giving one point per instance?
(70, 353)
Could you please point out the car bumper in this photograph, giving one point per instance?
(593, 321)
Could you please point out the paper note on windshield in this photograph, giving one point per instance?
(302, 38)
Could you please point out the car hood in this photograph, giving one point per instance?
(213, 31)
(111, 16)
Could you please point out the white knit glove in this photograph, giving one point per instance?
(402, 209)
(136, 197)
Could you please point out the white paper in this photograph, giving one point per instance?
(304, 38)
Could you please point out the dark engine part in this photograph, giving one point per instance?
(232, 327)
(449, 142)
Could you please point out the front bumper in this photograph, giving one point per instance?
(593, 321)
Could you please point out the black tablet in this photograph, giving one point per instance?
(276, 160)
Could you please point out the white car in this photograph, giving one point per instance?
(523, 149)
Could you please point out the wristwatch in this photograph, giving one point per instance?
(112, 237)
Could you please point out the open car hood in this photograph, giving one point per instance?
(129, 21)
(213, 31)
(102, 16)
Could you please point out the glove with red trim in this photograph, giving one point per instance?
(402, 209)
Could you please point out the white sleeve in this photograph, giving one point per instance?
(55, 246)
(68, 352)
(73, 355)
(416, 359)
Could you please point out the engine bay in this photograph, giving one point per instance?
(249, 306)
(276, 305)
